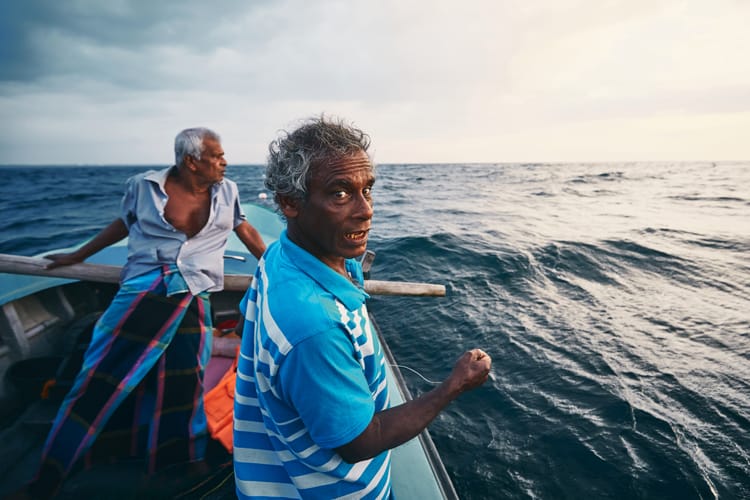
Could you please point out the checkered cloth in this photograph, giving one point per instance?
(140, 390)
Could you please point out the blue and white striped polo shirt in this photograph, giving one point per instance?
(311, 375)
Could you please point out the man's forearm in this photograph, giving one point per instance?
(395, 426)
(251, 238)
(110, 235)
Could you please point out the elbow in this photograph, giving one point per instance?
(355, 451)
(353, 456)
(364, 446)
(349, 458)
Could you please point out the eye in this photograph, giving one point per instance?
(367, 191)
(340, 195)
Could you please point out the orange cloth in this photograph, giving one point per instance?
(219, 406)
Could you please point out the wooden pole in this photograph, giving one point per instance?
(16, 264)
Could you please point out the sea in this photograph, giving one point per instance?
(613, 298)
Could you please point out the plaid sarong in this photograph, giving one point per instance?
(140, 390)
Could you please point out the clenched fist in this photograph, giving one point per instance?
(471, 370)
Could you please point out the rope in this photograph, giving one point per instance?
(431, 382)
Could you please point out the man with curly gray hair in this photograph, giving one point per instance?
(312, 410)
(291, 155)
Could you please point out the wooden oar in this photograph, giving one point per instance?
(16, 264)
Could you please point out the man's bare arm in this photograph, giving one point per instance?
(395, 426)
(250, 237)
(110, 235)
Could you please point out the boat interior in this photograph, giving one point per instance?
(43, 337)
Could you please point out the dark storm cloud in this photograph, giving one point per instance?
(47, 38)
(16, 57)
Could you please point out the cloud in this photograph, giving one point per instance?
(127, 43)
(83, 80)
(325, 49)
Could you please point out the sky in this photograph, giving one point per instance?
(93, 82)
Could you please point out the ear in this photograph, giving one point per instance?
(189, 162)
(289, 206)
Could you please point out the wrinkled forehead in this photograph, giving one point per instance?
(210, 143)
(358, 163)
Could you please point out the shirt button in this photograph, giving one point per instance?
(179, 261)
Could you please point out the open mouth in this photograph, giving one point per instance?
(356, 236)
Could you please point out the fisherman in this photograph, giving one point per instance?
(140, 390)
(312, 410)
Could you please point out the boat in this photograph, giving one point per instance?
(45, 316)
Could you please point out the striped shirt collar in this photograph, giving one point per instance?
(350, 293)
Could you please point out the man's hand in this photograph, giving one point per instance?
(470, 371)
(62, 259)
(394, 426)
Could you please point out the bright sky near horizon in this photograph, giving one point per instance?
(92, 82)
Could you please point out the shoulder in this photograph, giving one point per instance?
(133, 187)
(228, 186)
(136, 179)
(298, 305)
(229, 183)
(141, 178)
(227, 191)
(301, 308)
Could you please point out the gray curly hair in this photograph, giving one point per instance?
(294, 154)
(189, 142)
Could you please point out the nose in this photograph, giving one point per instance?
(364, 207)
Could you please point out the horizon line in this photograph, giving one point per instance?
(253, 164)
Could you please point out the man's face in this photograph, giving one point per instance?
(212, 165)
(334, 221)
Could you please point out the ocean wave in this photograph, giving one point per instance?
(595, 178)
(717, 199)
(612, 297)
